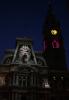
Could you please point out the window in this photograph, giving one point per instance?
(2, 80)
(55, 44)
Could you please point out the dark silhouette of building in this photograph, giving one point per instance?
(53, 42)
(26, 74)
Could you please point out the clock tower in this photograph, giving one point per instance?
(54, 51)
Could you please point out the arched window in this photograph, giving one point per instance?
(55, 44)
(8, 60)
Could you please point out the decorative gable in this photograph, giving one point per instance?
(24, 53)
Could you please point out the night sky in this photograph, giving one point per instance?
(25, 19)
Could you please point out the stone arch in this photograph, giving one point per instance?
(42, 60)
(7, 59)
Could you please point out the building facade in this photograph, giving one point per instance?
(26, 74)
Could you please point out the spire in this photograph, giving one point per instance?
(50, 13)
(51, 19)
(50, 8)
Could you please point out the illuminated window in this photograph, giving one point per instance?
(22, 81)
(55, 44)
(2, 80)
(62, 77)
(54, 78)
(46, 83)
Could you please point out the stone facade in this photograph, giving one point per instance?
(30, 80)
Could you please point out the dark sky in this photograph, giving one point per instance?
(26, 17)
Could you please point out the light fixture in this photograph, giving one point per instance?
(54, 32)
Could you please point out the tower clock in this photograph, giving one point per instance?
(54, 51)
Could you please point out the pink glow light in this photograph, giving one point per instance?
(55, 44)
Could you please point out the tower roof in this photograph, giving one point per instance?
(51, 18)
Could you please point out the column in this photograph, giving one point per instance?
(17, 78)
(16, 96)
(13, 96)
(14, 79)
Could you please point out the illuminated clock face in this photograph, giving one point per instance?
(54, 32)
